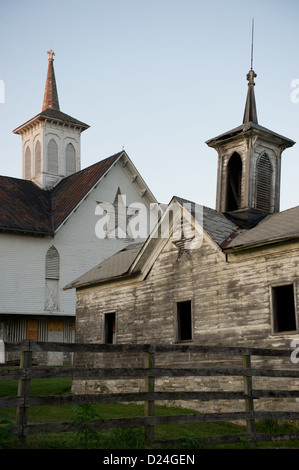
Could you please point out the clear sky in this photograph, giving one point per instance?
(157, 77)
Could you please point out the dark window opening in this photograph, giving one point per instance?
(184, 321)
(234, 183)
(284, 308)
(109, 328)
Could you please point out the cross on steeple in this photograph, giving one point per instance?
(50, 54)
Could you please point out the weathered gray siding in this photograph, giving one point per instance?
(230, 298)
(231, 306)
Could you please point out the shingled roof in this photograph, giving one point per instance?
(216, 224)
(113, 268)
(223, 231)
(52, 115)
(275, 228)
(24, 207)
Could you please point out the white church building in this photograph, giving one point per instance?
(48, 222)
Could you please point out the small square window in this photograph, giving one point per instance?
(283, 308)
(184, 321)
(109, 328)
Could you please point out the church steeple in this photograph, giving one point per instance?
(50, 140)
(51, 95)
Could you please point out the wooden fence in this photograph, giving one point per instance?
(149, 372)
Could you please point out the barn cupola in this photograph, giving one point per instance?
(249, 166)
(51, 141)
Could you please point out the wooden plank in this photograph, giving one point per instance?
(275, 393)
(23, 390)
(149, 406)
(67, 426)
(55, 325)
(32, 330)
(249, 404)
(130, 397)
(99, 373)
(11, 402)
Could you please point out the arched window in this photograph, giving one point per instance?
(52, 279)
(52, 157)
(70, 158)
(234, 183)
(264, 183)
(27, 164)
(38, 158)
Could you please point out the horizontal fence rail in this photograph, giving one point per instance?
(149, 396)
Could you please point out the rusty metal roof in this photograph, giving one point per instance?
(24, 207)
(69, 192)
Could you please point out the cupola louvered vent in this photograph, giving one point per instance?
(264, 183)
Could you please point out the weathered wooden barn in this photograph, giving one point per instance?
(229, 277)
(48, 222)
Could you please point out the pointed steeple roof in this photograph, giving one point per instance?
(51, 109)
(250, 125)
(51, 95)
(250, 113)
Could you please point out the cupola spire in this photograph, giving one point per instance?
(249, 165)
(50, 95)
(250, 113)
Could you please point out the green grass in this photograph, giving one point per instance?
(123, 438)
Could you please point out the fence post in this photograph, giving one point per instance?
(249, 406)
(149, 406)
(24, 388)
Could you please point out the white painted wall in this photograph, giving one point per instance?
(22, 270)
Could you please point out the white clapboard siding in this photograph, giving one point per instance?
(30, 264)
